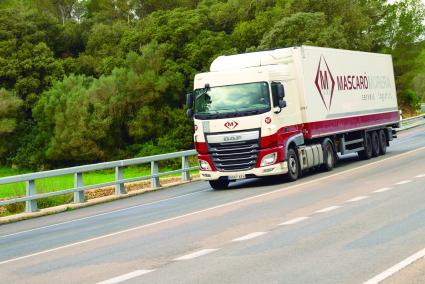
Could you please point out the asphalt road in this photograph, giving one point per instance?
(363, 221)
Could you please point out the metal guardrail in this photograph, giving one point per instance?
(31, 193)
(412, 122)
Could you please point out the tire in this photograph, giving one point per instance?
(375, 144)
(328, 156)
(219, 184)
(382, 142)
(293, 165)
(366, 154)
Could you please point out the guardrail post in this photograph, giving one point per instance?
(119, 187)
(185, 166)
(154, 171)
(30, 205)
(78, 182)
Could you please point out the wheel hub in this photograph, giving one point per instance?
(292, 164)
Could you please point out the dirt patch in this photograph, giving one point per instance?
(131, 187)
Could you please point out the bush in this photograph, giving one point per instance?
(410, 100)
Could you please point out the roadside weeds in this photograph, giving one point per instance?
(97, 196)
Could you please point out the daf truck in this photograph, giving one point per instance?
(287, 110)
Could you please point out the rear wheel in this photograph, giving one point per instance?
(366, 154)
(219, 184)
(328, 156)
(293, 165)
(375, 144)
(382, 142)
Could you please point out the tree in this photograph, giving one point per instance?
(357, 21)
(61, 9)
(418, 80)
(201, 51)
(82, 119)
(63, 121)
(175, 28)
(248, 34)
(28, 71)
(403, 30)
(403, 24)
(27, 64)
(10, 106)
(303, 28)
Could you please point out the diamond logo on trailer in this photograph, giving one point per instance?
(325, 82)
(231, 124)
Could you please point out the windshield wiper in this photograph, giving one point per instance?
(252, 111)
(207, 115)
(228, 113)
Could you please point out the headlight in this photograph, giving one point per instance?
(268, 159)
(204, 165)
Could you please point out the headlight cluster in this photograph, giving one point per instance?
(204, 165)
(268, 159)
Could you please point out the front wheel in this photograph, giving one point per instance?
(293, 165)
(328, 156)
(219, 184)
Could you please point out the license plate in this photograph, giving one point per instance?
(234, 177)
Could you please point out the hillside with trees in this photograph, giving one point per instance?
(85, 81)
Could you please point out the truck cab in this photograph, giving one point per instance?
(244, 113)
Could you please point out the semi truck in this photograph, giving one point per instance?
(283, 111)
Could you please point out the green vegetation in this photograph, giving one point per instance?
(67, 181)
(84, 81)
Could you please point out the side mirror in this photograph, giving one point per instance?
(189, 113)
(189, 103)
(278, 93)
(189, 99)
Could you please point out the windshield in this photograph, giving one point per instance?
(233, 100)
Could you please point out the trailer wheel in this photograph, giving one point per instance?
(219, 184)
(293, 165)
(328, 156)
(366, 154)
(375, 144)
(382, 142)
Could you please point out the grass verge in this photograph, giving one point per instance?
(52, 184)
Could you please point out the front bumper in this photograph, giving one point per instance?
(276, 169)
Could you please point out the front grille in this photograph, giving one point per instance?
(235, 156)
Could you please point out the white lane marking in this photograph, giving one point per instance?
(383, 189)
(195, 254)
(327, 209)
(126, 277)
(403, 182)
(249, 236)
(294, 221)
(207, 209)
(358, 198)
(103, 214)
(394, 269)
(420, 176)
